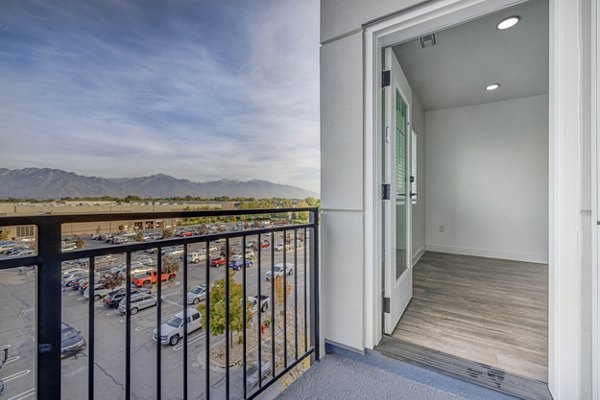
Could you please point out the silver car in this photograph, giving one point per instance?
(139, 301)
(197, 294)
(278, 269)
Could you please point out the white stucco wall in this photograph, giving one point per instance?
(342, 233)
(342, 17)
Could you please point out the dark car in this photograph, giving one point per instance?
(113, 299)
(71, 342)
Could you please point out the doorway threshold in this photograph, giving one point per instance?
(463, 369)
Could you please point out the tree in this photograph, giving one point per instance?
(79, 242)
(139, 237)
(169, 265)
(98, 229)
(167, 233)
(121, 228)
(217, 307)
(279, 292)
(111, 281)
(5, 234)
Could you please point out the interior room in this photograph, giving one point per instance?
(479, 230)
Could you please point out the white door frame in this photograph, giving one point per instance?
(564, 347)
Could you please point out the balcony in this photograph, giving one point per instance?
(226, 350)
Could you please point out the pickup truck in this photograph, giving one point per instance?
(150, 278)
(264, 303)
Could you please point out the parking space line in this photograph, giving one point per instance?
(24, 395)
(17, 375)
(190, 341)
(12, 359)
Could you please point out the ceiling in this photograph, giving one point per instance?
(470, 56)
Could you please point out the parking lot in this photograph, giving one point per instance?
(17, 294)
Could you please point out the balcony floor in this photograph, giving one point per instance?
(348, 375)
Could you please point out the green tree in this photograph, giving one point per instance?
(121, 228)
(217, 306)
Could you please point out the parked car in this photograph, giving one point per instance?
(197, 256)
(172, 330)
(139, 301)
(21, 252)
(136, 267)
(265, 301)
(100, 291)
(197, 294)
(113, 298)
(172, 252)
(71, 341)
(278, 269)
(148, 279)
(217, 261)
(69, 278)
(146, 259)
(279, 247)
(250, 253)
(6, 246)
(236, 265)
(265, 244)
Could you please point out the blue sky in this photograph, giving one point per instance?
(201, 90)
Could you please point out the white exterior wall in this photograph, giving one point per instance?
(342, 237)
(340, 17)
(487, 179)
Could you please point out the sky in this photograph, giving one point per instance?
(202, 90)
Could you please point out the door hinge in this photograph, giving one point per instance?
(386, 305)
(385, 191)
(385, 78)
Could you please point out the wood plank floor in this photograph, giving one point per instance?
(490, 311)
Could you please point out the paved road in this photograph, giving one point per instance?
(17, 313)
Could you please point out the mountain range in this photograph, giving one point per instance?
(47, 183)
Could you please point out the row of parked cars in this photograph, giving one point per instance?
(16, 249)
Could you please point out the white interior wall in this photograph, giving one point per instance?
(486, 179)
(418, 210)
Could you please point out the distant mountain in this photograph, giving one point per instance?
(46, 183)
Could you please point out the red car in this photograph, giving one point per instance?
(217, 261)
(265, 243)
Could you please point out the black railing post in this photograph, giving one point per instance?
(49, 311)
(314, 285)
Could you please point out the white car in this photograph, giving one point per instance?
(197, 294)
(172, 330)
(173, 252)
(278, 269)
(197, 256)
(146, 259)
(100, 291)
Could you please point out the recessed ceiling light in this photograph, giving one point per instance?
(508, 22)
(492, 86)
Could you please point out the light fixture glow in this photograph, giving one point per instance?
(492, 86)
(508, 22)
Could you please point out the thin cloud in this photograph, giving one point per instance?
(113, 89)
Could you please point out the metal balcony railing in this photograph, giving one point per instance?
(305, 318)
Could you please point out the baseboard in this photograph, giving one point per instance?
(417, 256)
(505, 255)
